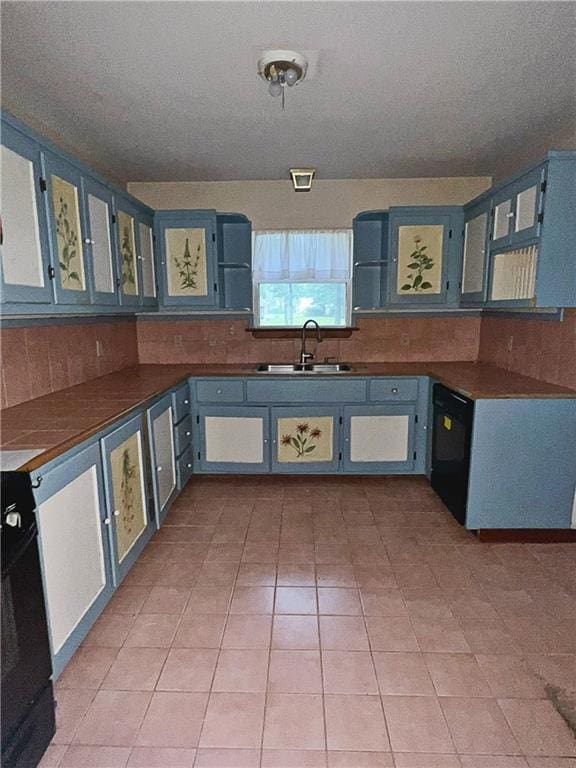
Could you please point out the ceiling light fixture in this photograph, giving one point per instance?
(302, 178)
(282, 69)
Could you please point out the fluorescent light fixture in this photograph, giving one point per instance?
(302, 178)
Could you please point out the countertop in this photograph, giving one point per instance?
(59, 421)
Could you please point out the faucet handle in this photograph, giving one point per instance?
(304, 356)
(328, 358)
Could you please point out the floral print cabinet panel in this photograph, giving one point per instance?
(187, 242)
(127, 253)
(305, 439)
(420, 254)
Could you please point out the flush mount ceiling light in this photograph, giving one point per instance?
(282, 69)
(302, 178)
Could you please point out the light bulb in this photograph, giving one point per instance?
(274, 89)
(291, 77)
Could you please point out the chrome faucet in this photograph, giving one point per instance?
(305, 356)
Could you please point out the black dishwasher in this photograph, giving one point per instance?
(451, 436)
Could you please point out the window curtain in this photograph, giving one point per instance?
(302, 255)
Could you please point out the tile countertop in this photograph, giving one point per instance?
(59, 421)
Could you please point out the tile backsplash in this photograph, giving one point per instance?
(543, 349)
(377, 340)
(45, 358)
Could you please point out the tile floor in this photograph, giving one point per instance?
(325, 623)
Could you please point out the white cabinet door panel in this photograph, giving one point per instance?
(474, 254)
(147, 257)
(234, 439)
(99, 216)
(164, 455)
(379, 438)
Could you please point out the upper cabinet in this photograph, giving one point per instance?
(518, 239)
(23, 239)
(424, 247)
(369, 260)
(128, 255)
(99, 243)
(234, 249)
(187, 247)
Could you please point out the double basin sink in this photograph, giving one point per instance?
(303, 368)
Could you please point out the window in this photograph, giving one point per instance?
(302, 274)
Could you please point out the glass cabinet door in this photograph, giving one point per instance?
(188, 256)
(529, 199)
(475, 253)
(23, 240)
(98, 204)
(305, 439)
(126, 494)
(67, 230)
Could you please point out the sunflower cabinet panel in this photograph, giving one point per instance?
(305, 439)
(127, 497)
(74, 548)
(187, 251)
(67, 229)
(424, 244)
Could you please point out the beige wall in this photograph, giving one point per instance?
(330, 204)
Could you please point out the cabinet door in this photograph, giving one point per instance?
(99, 242)
(419, 249)
(474, 263)
(234, 240)
(127, 251)
(379, 438)
(67, 230)
(188, 259)
(147, 266)
(305, 439)
(502, 215)
(163, 455)
(370, 263)
(23, 239)
(75, 550)
(234, 439)
(528, 201)
(126, 494)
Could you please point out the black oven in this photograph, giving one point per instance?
(27, 697)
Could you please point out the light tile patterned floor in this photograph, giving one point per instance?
(325, 623)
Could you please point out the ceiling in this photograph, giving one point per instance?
(157, 91)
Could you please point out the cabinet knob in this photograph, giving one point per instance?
(88, 241)
(346, 439)
(188, 434)
(186, 402)
(158, 469)
(510, 215)
(218, 391)
(266, 440)
(189, 466)
(116, 513)
(107, 521)
(394, 390)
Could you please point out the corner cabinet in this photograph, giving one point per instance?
(73, 537)
(370, 260)
(187, 249)
(24, 239)
(425, 253)
(123, 453)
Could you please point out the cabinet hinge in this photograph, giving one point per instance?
(340, 420)
(447, 284)
(213, 237)
(198, 419)
(340, 456)
(540, 218)
(543, 186)
(414, 455)
(416, 419)
(51, 273)
(449, 234)
(113, 218)
(198, 455)
(118, 282)
(215, 287)
(42, 182)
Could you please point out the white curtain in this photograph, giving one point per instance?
(302, 255)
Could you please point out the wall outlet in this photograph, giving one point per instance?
(99, 348)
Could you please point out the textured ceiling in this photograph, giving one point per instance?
(169, 90)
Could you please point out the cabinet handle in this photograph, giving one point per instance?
(116, 513)
(394, 390)
(88, 241)
(107, 521)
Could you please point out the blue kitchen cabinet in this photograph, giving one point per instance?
(305, 439)
(370, 260)
(234, 250)
(233, 438)
(516, 209)
(127, 495)
(476, 233)
(67, 229)
(187, 251)
(73, 524)
(127, 251)
(379, 438)
(146, 247)
(25, 270)
(160, 422)
(425, 255)
(100, 243)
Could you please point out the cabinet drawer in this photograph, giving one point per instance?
(220, 391)
(393, 389)
(306, 391)
(181, 403)
(183, 435)
(185, 467)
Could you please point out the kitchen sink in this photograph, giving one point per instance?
(288, 368)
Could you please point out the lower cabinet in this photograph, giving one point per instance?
(74, 548)
(233, 438)
(305, 439)
(130, 523)
(160, 420)
(379, 438)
